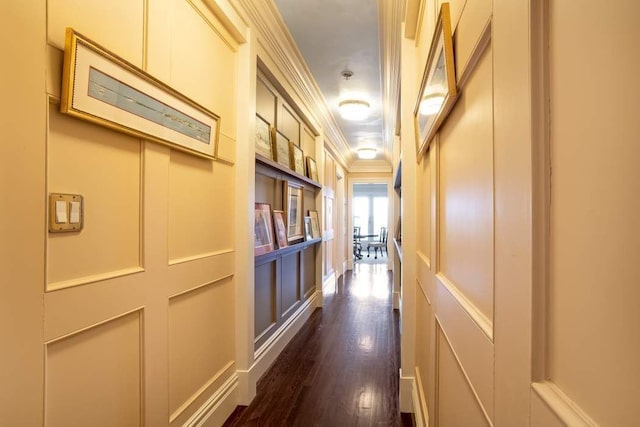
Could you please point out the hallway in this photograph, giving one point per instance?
(342, 367)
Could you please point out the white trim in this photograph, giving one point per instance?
(561, 405)
(223, 398)
(329, 284)
(406, 393)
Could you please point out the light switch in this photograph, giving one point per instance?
(74, 213)
(66, 212)
(61, 212)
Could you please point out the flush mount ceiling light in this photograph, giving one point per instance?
(366, 153)
(353, 109)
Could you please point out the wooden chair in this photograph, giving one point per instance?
(381, 244)
(357, 246)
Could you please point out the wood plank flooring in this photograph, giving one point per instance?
(341, 369)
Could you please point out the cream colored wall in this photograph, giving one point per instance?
(453, 268)
(593, 342)
(131, 320)
(526, 279)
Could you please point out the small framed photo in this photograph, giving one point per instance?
(264, 146)
(281, 149)
(281, 229)
(315, 224)
(293, 210)
(297, 158)
(263, 234)
(307, 228)
(438, 91)
(312, 169)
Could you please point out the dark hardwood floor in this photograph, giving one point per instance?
(341, 369)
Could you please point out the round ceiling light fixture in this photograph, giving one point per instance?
(353, 108)
(366, 153)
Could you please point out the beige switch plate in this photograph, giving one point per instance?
(55, 227)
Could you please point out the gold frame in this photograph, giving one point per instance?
(280, 227)
(260, 148)
(315, 224)
(312, 169)
(297, 158)
(102, 88)
(281, 142)
(264, 220)
(439, 83)
(294, 231)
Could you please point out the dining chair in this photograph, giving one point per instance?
(381, 244)
(357, 245)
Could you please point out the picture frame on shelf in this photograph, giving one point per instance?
(293, 196)
(100, 87)
(315, 224)
(280, 228)
(297, 158)
(312, 169)
(263, 229)
(438, 91)
(307, 229)
(263, 143)
(281, 149)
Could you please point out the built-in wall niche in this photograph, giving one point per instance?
(285, 278)
(288, 132)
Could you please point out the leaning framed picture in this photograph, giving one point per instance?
(297, 158)
(312, 169)
(263, 144)
(281, 229)
(293, 210)
(263, 234)
(315, 224)
(307, 229)
(100, 87)
(281, 149)
(438, 91)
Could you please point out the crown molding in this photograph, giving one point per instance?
(390, 14)
(277, 42)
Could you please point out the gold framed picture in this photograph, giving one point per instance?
(281, 229)
(281, 148)
(263, 144)
(263, 234)
(308, 235)
(297, 158)
(315, 224)
(438, 91)
(293, 210)
(312, 169)
(100, 87)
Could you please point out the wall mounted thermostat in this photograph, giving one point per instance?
(66, 212)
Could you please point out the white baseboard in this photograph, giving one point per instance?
(218, 407)
(396, 300)
(329, 284)
(406, 393)
(419, 397)
(271, 349)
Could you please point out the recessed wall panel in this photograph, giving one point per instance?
(289, 125)
(265, 297)
(457, 404)
(201, 206)
(97, 21)
(201, 338)
(290, 282)
(466, 191)
(203, 63)
(423, 205)
(104, 167)
(94, 378)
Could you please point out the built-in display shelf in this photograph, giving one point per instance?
(287, 249)
(284, 169)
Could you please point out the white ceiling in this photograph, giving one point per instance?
(334, 35)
